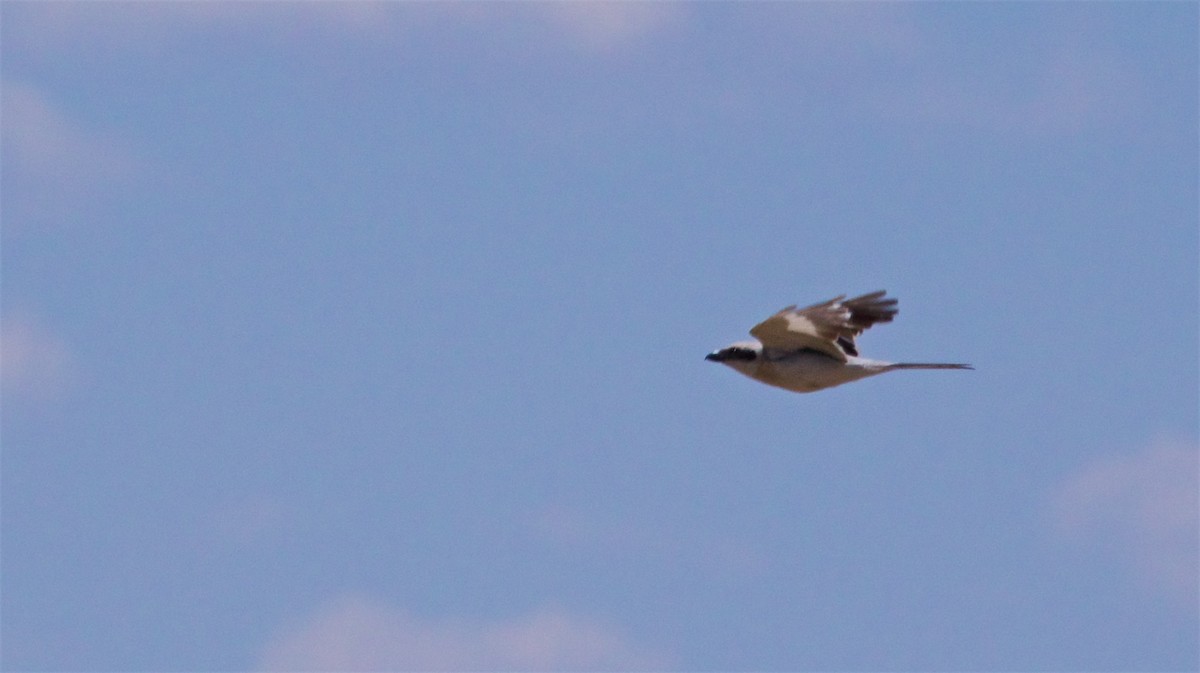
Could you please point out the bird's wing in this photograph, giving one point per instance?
(829, 327)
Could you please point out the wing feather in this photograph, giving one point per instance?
(829, 327)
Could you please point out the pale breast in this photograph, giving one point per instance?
(805, 371)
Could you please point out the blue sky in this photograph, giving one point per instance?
(370, 336)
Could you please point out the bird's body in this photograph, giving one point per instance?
(810, 349)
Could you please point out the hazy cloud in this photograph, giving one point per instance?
(355, 633)
(1066, 90)
(50, 160)
(46, 28)
(39, 138)
(835, 31)
(608, 25)
(34, 363)
(1144, 506)
(245, 521)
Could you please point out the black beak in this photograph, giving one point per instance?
(740, 353)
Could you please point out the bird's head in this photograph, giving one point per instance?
(742, 356)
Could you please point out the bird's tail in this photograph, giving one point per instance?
(928, 365)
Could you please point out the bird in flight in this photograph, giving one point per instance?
(810, 349)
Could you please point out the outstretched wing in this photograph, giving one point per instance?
(829, 327)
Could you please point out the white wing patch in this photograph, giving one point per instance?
(821, 326)
(791, 330)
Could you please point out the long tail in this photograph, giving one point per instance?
(928, 365)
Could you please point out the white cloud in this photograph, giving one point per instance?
(355, 633)
(1145, 507)
(34, 363)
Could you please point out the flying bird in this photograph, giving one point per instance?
(810, 349)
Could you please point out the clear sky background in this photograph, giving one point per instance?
(371, 336)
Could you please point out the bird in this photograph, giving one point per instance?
(809, 349)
